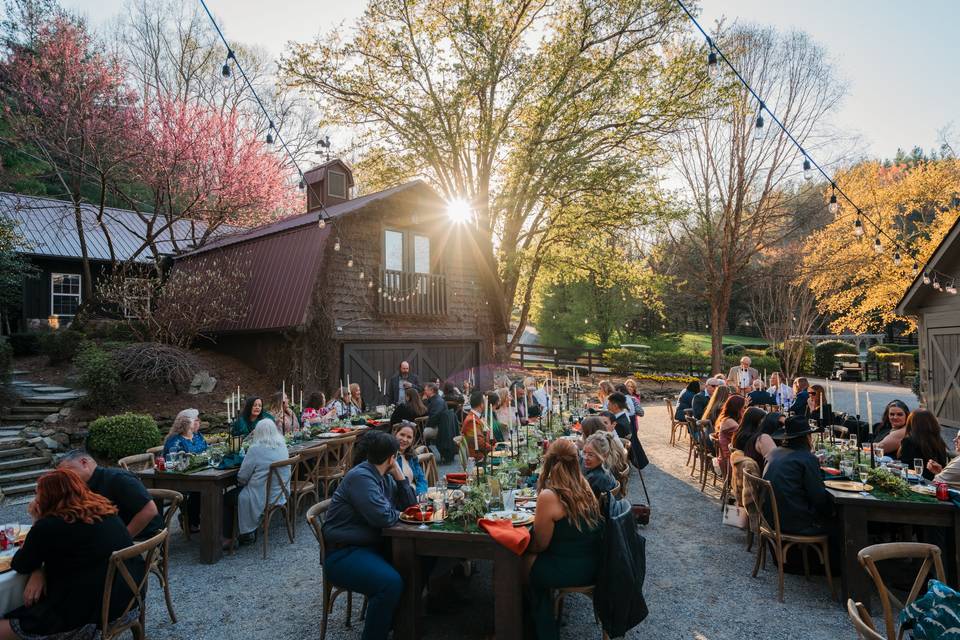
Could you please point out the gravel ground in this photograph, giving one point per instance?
(698, 580)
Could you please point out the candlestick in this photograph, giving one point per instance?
(856, 399)
(869, 414)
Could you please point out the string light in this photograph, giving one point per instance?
(858, 226)
(713, 64)
(951, 289)
(321, 222)
(834, 206)
(350, 262)
(301, 185)
(336, 245)
(225, 72)
(897, 259)
(758, 130)
(361, 274)
(807, 168)
(926, 279)
(270, 133)
(370, 284)
(877, 245)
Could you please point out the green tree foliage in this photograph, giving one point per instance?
(13, 269)
(825, 353)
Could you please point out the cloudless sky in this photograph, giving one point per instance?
(899, 58)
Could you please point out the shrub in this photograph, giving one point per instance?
(6, 360)
(123, 435)
(876, 349)
(97, 373)
(734, 350)
(677, 361)
(825, 353)
(25, 344)
(759, 363)
(906, 360)
(152, 362)
(847, 357)
(621, 361)
(60, 346)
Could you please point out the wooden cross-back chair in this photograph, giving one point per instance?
(931, 561)
(677, 427)
(769, 530)
(133, 618)
(168, 503)
(283, 501)
(330, 592)
(418, 437)
(862, 621)
(335, 463)
(693, 436)
(306, 482)
(429, 465)
(137, 462)
(703, 449)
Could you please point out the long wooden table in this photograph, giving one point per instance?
(211, 484)
(855, 511)
(410, 543)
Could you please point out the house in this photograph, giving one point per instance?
(354, 286)
(937, 311)
(51, 243)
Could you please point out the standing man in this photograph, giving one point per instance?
(701, 400)
(396, 386)
(742, 377)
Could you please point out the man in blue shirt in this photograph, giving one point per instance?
(369, 498)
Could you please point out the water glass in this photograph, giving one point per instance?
(423, 503)
(442, 485)
(216, 458)
(12, 530)
(846, 468)
(509, 499)
(852, 441)
(918, 467)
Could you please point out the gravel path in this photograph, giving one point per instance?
(698, 580)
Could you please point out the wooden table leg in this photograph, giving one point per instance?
(405, 561)
(854, 583)
(507, 595)
(211, 523)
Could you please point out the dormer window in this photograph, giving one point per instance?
(336, 184)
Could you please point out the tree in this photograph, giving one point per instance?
(13, 269)
(912, 202)
(736, 186)
(546, 116)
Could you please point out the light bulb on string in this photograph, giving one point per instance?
(937, 285)
(897, 259)
(379, 289)
(370, 284)
(336, 245)
(926, 279)
(877, 245)
(322, 222)
(951, 289)
(858, 227)
(350, 262)
(915, 270)
(301, 185)
(807, 169)
(270, 133)
(713, 64)
(225, 71)
(834, 206)
(758, 129)
(361, 274)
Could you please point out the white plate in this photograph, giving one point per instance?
(518, 518)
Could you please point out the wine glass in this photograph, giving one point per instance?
(12, 530)
(423, 503)
(918, 467)
(864, 473)
(852, 441)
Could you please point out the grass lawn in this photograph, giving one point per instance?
(701, 341)
(698, 342)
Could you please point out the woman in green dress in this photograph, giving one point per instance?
(252, 413)
(567, 534)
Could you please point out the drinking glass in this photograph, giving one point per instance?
(442, 485)
(12, 530)
(846, 468)
(423, 503)
(864, 473)
(852, 441)
(216, 458)
(170, 462)
(918, 467)
(877, 451)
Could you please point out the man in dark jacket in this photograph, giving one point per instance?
(625, 428)
(802, 501)
(701, 400)
(431, 398)
(799, 406)
(396, 385)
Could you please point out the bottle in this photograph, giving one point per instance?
(160, 464)
(4, 541)
(943, 492)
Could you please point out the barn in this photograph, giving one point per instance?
(354, 286)
(932, 299)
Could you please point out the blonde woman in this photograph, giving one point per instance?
(604, 461)
(185, 435)
(566, 544)
(283, 416)
(604, 390)
(358, 406)
(717, 400)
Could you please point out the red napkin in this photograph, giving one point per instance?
(340, 430)
(413, 513)
(830, 470)
(457, 478)
(514, 538)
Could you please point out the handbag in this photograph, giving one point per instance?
(735, 516)
(641, 512)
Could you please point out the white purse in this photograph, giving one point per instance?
(735, 516)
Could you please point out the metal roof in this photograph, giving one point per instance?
(48, 228)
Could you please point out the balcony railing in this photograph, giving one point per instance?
(414, 294)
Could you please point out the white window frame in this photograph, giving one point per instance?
(135, 311)
(78, 295)
(330, 192)
(415, 267)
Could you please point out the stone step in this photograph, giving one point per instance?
(18, 372)
(49, 388)
(20, 489)
(19, 477)
(34, 408)
(18, 452)
(20, 418)
(24, 464)
(52, 398)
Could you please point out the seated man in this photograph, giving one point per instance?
(949, 474)
(759, 396)
(802, 500)
(368, 499)
(800, 404)
(136, 508)
(702, 399)
(473, 430)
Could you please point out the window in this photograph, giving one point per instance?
(136, 297)
(421, 254)
(393, 250)
(64, 294)
(336, 184)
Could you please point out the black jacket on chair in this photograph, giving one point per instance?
(802, 500)
(618, 595)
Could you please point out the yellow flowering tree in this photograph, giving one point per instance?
(914, 203)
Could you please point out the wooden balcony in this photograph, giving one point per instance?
(412, 294)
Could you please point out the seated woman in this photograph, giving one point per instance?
(685, 401)
(604, 462)
(817, 405)
(185, 436)
(892, 427)
(314, 410)
(338, 403)
(950, 473)
(410, 409)
(923, 441)
(591, 425)
(749, 427)
(368, 499)
(283, 416)
(406, 433)
(452, 396)
(493, 400)
(357, 405)
(503, 410)
(266, 447)
(66, 553)
(473, 429)
(567, 535)
(252, 414)
(761, 444)
(727, 423)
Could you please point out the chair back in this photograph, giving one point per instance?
(311, 464)
(429, 465)
(862, 621)
(693, 428)
(744, 492)
(670, 410)
(337, 457)
(117, 568)
(762, 492)
(870, 556)
(167, 503)
(421, 423)
(315, 517)
(274, 476)
(155, 451)
(137, 462)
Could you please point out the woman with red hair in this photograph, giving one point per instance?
(67, 552)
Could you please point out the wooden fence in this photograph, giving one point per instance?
(592, 361)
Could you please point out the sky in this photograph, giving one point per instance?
(899, 59)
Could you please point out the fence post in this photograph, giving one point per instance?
(556, 360)
(590, 362)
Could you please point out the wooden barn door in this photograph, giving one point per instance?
(428, 360)
(944, 356)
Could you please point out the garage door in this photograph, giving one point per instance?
(944, 354)
(428, 360)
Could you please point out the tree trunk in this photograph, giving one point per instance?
(87, 284)
(719, 308)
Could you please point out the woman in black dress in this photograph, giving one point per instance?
(410, 409)
(922, 441)
(74, 532)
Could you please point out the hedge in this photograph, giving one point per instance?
(906, 360)
(6, 360)
(98, 374)
(25, 344)
(124, 435)
(734, 350)
(62, 345)
(621, 361)
(824, 355)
